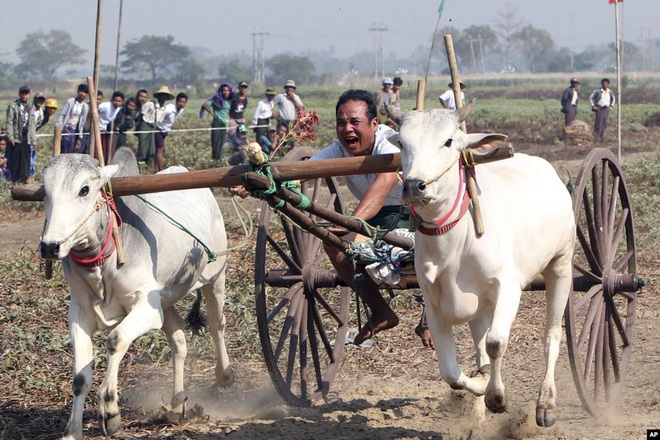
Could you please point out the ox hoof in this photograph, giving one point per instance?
(225, 378)
(109, 423)
(496, 403)
(545, 418)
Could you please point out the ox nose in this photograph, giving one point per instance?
(413, 188)
(49, 250)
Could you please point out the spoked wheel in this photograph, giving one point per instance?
(600, 314)
(302, 312)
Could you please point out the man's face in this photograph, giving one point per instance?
(82, 95)
(605, 84)
(290, 91)
(281, 130)
(131, 106)
(242, 90)
(143, 98)
(117, 101)
(51, 110)
(355, 131)
(181, 103)
(24, 96)
(99, 99)
(3, 145)
(387, 87)
(39, 102)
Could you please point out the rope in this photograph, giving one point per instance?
(266, 171)
(238, 208)
(209, 252)
(178, 130)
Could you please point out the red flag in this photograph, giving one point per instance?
(615, 1)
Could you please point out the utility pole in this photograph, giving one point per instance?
(481, 53)
(474, 62)
(378, 49)
(258, 58)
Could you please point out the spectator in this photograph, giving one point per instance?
(268, 141)
(50, 109)
(288, 103)
(72, 120)
(107, 114)
(448, 100)
(21, 133)
(124, 121)
(239, 102)
(165, 117)
(263, 113)
(5, 174)
(569, 101)
(145, 126)
(383, 99)
(602, 100)
(39, 116)
(235, 146)
(395, 101)
(218, 107)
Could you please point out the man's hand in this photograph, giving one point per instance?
(240, 191)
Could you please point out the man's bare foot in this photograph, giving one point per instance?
(380, 322)
(422, 330)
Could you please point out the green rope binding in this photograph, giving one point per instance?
(209, 252)
(272, 189)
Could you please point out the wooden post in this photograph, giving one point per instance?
(96, 133)
(121, 8)
(57, 141)
(421, 91)
(471, 181)
(97, 45)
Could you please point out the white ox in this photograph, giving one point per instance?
(162, 264)
(529, 230)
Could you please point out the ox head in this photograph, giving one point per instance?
(430, 142)
(72, 186)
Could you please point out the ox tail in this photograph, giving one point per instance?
(569, 185)
(195, 319)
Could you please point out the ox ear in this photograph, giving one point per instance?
(395, 139)
(108, 171)
(481, 143)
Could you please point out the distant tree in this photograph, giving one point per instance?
(631, 57)
(44, 53)
(233, 72)
(473, 45)
(507, 25)
(154, 54)
(190, 70)
(6, 78)
(284, 67)
(537, 47)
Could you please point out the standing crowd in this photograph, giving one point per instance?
(601, 100)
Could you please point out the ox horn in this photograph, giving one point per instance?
(465, 111)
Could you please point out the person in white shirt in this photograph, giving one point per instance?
(72, 119)
(602, 100)
(447, 99)
(264, 113)
(166, 115)
(107, 113)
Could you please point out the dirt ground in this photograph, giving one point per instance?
(393, 389)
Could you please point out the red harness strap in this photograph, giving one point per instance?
(107, 250)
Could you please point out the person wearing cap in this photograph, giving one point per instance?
(72, 120)
(235, 146)
(383, 99)
(218, 107)
(569, 101)
(447, 99)
(268, 141)
(166, 114)
(288, 104)
(239, 102)
(263, 113)
(21, 130)
(50, 108)
(602, 100)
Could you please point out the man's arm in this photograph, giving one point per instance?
(373, 199)
(9, 123)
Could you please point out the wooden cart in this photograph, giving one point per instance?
(303, 307)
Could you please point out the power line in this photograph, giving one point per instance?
(378, 49)
(258, 57)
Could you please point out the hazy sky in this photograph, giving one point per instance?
(225, 26)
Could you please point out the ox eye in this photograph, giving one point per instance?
(83, 191)
(448, 143)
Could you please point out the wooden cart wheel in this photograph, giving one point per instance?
(600, 314)
(302, 313)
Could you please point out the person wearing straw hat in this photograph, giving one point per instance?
(288, 103)
(383, 99)
(164, 121)
(447, 99)
(263, 113)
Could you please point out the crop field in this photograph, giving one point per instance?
(391, 390)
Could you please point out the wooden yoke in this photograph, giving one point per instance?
(471, 181)
(97, 147)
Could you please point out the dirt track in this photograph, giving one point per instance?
(392, 390)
